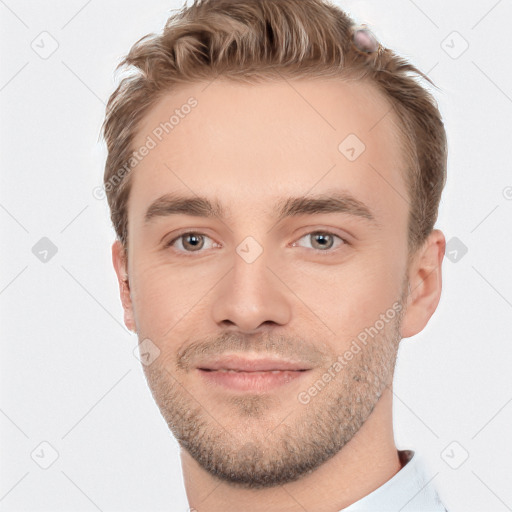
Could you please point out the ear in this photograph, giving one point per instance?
(121, 268)
(425, 279)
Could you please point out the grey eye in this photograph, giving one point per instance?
(322, 240)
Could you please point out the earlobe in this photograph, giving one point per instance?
(425, 279)
(120, 266)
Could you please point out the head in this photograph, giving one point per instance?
(274, 177)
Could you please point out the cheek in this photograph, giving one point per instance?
(165, 296)
(350, 298)
(343, 298)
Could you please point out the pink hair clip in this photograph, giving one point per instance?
(364, 40)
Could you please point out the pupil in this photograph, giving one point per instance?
(323, 240)
(194, 240)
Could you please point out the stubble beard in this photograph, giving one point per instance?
(259, 457)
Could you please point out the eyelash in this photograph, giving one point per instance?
(187, 254)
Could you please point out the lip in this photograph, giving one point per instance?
(258, 375)
(244, 364)
(258, 382)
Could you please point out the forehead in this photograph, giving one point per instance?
(248, 144)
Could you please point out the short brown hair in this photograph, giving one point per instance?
(250, 40)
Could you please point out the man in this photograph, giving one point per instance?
(274, 175)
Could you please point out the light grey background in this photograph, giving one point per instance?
(69, 377)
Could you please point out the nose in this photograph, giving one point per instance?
(251, 297)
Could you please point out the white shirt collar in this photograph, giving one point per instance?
(407, 491)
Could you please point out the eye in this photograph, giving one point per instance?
(322, 240)
(193, 241)
(190, 242)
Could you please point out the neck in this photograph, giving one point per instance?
(365, 463)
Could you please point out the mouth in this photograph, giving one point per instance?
(251, 375)
(243, 364)
(225, 370)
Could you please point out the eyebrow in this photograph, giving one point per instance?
(197, 206)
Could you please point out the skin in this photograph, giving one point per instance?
(248, 146)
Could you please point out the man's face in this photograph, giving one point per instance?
(269, 279)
